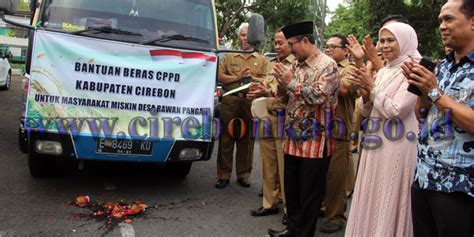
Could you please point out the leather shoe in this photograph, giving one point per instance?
(221, 183)
(244, 182)
(321, 213)
(284, 220)
(264, 211)
(329, 227)
(284, 232)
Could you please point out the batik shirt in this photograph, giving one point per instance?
(446, 151)
(312, 100)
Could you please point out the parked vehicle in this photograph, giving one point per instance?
(5, 70)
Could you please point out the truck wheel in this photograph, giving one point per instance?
(40, 165)
(180, 170)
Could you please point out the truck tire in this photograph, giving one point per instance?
(180, 170)
(39, 165)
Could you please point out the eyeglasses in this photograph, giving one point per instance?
(290, 44)
(333, 47)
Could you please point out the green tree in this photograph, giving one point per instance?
(277, 13)
(348, 20)
(230, 14)
(363, 17)
(24, 5)
(423, 16)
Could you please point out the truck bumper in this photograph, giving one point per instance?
(85, 148)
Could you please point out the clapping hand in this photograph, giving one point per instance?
(371, 52)
(283, 75)
(364, 82)
(257, 89)
(369, 48)
(355, 48)
(243, 73)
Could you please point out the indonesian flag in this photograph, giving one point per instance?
(167, 55)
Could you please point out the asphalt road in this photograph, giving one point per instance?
(181, 207)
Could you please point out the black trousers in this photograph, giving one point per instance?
(305, 185)
(438, 214)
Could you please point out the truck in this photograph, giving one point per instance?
(120, 81)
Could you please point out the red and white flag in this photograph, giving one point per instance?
(166, 55)
(193, 57)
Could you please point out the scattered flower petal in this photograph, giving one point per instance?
(82, 201)
(112, 213)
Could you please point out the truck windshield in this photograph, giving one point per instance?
(175, 23)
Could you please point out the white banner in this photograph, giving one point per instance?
(79, 77)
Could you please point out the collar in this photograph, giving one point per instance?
(311, 60)
(289, 59)
(254, 54)
(344, 63)
(450, 56)
(469, 56)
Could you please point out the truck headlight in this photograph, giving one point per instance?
(190, 154)
(49, 147)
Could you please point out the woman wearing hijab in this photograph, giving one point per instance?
(381, 202)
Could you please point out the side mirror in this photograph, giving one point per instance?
(9, 55)
(8, 6)
(255, 34)
(256, 30)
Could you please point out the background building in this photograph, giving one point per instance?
(15, 39)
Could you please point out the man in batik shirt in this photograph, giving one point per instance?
(310, 89)
(443, 192)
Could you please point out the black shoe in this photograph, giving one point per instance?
(284, 220)
(221, 183)
(244, 182)
(329, 227)
(264, 211)
(260, 194)
(284, 232)
(321, 213)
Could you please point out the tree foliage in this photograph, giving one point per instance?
(277, 13)
(230, 14)
(363, 17)
(349, 20)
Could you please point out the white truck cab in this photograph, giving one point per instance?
(120, 81)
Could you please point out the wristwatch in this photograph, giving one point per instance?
(435, 94)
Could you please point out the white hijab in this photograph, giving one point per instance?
(408, 42)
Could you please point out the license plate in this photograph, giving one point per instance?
(124, 146)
